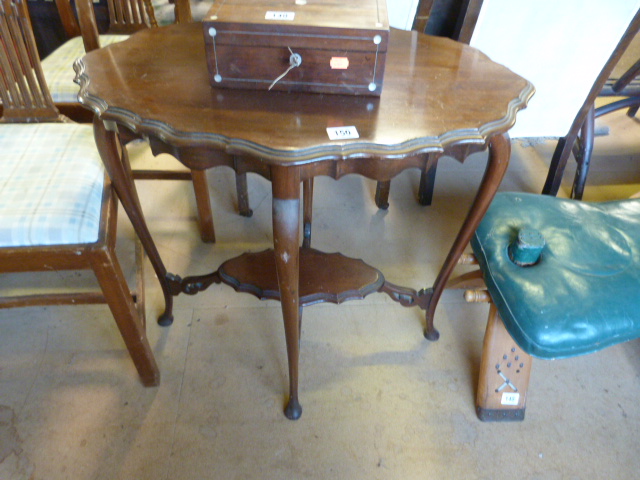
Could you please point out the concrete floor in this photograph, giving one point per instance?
(380, 401)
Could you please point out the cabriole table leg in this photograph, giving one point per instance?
(286, 244)
(499, 155)
(116, 162)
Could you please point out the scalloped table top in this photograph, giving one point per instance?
(437, 93)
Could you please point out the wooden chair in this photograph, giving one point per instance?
(58, 210)
(565, 98)
(125, 18)
(554, 45)
(92, 40)
(627, 86)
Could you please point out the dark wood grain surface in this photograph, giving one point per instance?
(437, 93)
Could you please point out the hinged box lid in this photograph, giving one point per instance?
(324, 46)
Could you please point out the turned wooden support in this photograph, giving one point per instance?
(477, 296)
(467, 259)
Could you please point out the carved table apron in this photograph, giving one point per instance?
(440, 98)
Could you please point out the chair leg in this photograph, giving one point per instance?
(307, 209)
(558, 163)
(427, 183)
(425, 190)
(243, 195)
(583, 155)
(203, 203)
(114, 287)
(382, 194)
(504, 375)
(140, 294)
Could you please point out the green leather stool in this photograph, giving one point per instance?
(578, 296)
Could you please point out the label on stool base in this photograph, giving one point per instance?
(510, 398)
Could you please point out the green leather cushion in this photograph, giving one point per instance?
(584, 293)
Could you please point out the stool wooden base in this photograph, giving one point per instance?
(504, 374)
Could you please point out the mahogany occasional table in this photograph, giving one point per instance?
(439, 98)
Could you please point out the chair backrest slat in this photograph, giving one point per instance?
(21, 74)
(24, 92)
(125, 17)
(423, 12)
(68, 19)
(129, 16)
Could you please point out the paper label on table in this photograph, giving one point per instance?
(510, 398)
(342, 133)
(271, 15)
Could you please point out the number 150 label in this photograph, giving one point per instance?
(342, 133)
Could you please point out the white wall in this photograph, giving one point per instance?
(401, 13)
(559, 46)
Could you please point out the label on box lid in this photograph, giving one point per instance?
(288, 16)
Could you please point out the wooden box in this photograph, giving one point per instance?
(323, 46)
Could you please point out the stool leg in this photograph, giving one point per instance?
(504, 375)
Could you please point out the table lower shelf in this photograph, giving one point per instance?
(324, 277)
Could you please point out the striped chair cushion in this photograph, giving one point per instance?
(51, 184)
(58, 67)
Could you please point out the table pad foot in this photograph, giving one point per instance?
(165, 319)
(293, 410)
(431, 334)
